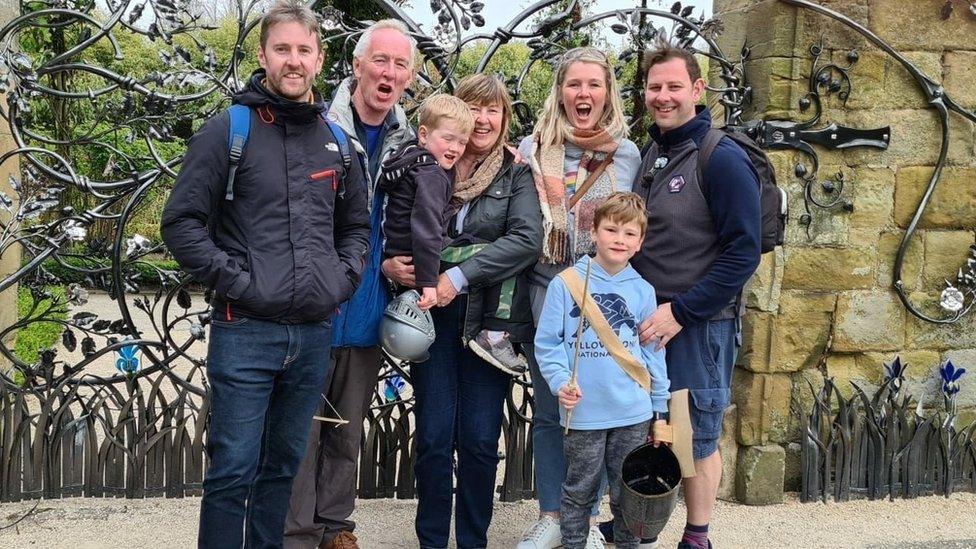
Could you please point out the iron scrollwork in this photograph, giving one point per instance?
(958, 296)
(119, 405)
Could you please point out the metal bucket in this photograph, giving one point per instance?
(650, 478)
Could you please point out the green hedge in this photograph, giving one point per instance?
(37, 335)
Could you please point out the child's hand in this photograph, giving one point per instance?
(660, 433)
(569, 397)
(428, 298)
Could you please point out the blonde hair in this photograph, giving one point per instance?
(440, 107)
(553, 126)
(482, 90)
(622, 207)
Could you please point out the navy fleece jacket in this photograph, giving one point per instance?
(731, 187)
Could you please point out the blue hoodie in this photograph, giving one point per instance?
(610, 397)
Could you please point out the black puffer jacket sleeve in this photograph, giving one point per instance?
(427, 221)
(199, 189)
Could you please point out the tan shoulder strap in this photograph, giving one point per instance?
(628, 363)
(581, 190)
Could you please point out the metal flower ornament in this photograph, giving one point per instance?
(950, 388)
(894, 375)
(887, 444)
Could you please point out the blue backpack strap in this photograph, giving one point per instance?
(240, 127)
(341, 140)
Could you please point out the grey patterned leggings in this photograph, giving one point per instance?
(587, 453)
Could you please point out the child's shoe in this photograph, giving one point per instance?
(595, 539)
(496, 349)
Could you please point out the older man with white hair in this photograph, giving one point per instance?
(366, 105)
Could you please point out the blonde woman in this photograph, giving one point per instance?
(579, 154)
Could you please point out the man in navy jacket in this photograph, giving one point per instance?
(280, 254)
(702, 246)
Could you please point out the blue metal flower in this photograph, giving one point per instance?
(950, 377)
(895, 373)
(128, 361)
(392, 387)
(895, 370)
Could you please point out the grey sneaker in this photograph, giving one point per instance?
(500, 355)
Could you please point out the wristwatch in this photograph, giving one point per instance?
(666, 416)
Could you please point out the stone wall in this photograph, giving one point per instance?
(828, 299)
(10, 260)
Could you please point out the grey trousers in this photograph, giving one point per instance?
(323, 495)
(588, 454)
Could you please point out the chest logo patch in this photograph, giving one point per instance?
(676, 184)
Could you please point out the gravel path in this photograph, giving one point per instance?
(931, 522)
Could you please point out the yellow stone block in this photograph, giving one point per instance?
(953, 203)
(869, 321)
(915, 137)
(830, 268)
(763, 404)
(960, 73)
(873, 193)
(763, 289)
(917, 25)
(912, 265)
(945, 253)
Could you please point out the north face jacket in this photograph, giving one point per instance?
(290, 246)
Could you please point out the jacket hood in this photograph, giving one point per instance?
(692, 129)
(408, 157)
(597, 272)
(256, 94)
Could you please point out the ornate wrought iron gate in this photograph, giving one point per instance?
(119, 406)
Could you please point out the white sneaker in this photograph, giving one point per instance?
(543, 534)
(595, 539)
(649, 545)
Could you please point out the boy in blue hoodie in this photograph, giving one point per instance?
(612, 413)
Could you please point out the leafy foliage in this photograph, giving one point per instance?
(37, 335)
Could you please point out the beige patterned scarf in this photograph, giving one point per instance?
(548, 171)
(471, 188)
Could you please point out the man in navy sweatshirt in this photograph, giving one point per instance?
(702, 246)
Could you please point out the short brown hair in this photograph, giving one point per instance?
(289, 11)
(440, 107)
(665, 52)
(485, 89)
(622, 207)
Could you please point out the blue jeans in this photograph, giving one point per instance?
(547, 442)
(458, 407)
(265, 380)
(547, 439)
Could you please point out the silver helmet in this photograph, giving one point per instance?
(406, 332)
(650, 477)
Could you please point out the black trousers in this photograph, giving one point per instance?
(324, 493)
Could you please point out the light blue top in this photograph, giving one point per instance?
(610, 397)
